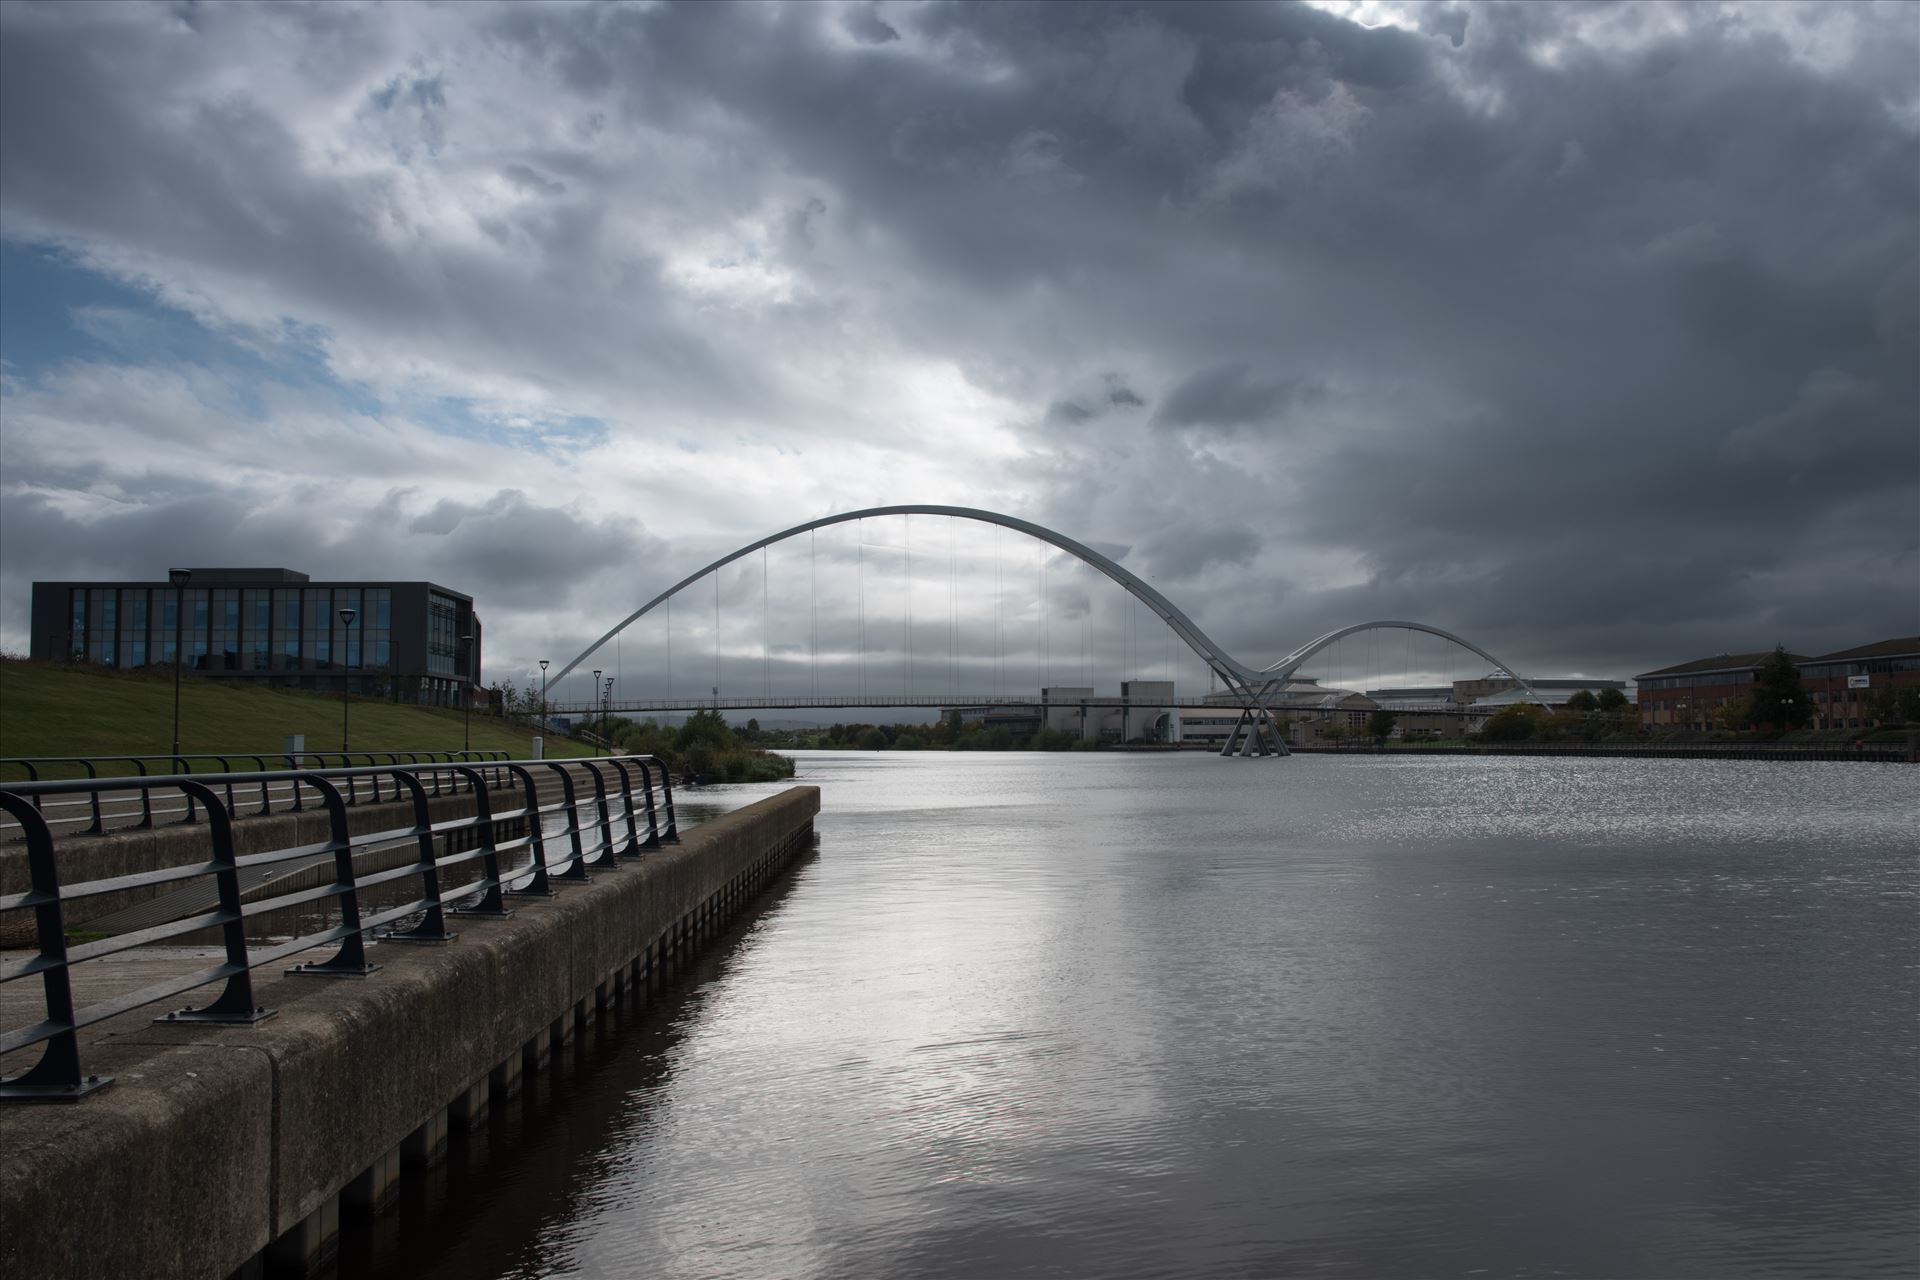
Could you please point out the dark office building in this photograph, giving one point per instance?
(411, 641)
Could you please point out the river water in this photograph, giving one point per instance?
(1156, 1015)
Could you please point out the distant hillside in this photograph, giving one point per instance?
(92, 711)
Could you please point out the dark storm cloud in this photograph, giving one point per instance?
(1591, 327)
(1229, 396)
(1187, 550)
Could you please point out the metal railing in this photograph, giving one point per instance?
(586, 828)
(38, 768)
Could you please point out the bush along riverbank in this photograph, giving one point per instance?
(705, 749)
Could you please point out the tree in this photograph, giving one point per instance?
(1583, 701)
(1513, 723)
(1380, 725)
(1737, 715)
(1779, 702)
(1611, 701)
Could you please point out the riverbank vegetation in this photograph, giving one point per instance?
(705, 747)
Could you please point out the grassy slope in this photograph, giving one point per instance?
(87, 711)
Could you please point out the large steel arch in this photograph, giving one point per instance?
(1285, 667)
(1235, 673)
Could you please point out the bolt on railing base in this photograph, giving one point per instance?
(11, 1092)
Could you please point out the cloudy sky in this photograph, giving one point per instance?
(1589, 331)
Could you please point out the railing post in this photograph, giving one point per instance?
(146, 798)
(605, 859)
(56, 1077)
(490, 903)
(433, 925)
(185, 766)
(646, 785)
(235, 1004)
(632, 849)
(228, 770)
(577, 865)
(351, 960)
(672, 834)
(541, 886)
(266, 796)
(94, 796)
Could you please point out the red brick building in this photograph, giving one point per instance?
(1690, 695)
(1842, 685)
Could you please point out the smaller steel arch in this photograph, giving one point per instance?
(1285, 667)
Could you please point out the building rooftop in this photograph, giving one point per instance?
(1899, 647)
(1722, 662)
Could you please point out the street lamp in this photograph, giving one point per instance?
(346, 620)
(543, 695)
(178, 577)
(467, 687)
(606, 721)
(593, 693)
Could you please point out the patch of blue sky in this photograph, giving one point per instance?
(536, 433)
(55, 312)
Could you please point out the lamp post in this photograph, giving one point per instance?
(606, 721)
(178, 577)
(543, 695)
(467, 692)
(593, 694)
(346, 621)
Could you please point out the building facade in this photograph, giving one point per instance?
(1843, 685)
(1692, 695)
(410, 641)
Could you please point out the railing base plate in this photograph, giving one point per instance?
(52, 1093)
(328, 971)
(217, 1018)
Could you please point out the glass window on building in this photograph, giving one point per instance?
(103, 615)
(441, 648)
(377, 626)
(133, 627)
(316, 631)
(77, 624)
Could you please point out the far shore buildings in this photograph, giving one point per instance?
(1686, 696)
(1693, 695)
(410, 641)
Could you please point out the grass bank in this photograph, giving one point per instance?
(48, 710)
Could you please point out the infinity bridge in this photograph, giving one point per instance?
(883, 646)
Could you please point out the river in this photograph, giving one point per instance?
(1171, 1015)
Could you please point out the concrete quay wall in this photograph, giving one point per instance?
(217, 1149)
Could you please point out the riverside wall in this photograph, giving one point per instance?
(224, 1149)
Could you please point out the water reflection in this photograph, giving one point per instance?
(1173, 1015)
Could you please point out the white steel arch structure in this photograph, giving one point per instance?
(1256, 734)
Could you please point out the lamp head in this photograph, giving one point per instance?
(179, 577)
(347, 616)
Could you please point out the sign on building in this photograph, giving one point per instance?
(1857, 682)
